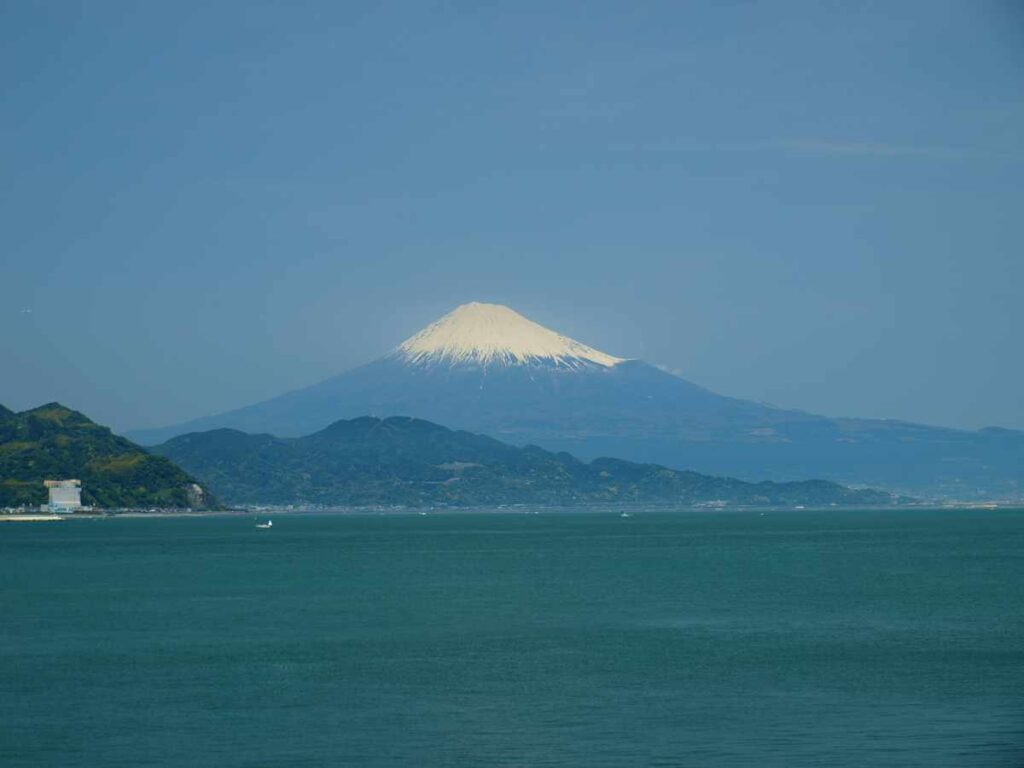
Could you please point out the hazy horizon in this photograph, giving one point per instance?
(815, 208)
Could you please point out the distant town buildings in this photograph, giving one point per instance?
(65, 496)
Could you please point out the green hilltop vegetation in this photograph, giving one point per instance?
(53, 442)
(369, 461)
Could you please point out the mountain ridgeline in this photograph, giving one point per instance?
(407, 461)
(486, 369)
(52, 442)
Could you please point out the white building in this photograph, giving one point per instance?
(65, 495)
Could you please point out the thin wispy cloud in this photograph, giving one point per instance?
(822, 148)
(881, 149)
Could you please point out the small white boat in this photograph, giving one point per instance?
(625, 514)
(268, 524)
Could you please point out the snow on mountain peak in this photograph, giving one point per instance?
(492, 334)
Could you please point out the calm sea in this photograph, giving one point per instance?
(691, 639)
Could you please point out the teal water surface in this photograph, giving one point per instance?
(580, 639)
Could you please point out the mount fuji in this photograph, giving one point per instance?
(486, 368)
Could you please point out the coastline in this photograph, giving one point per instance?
(501, 509)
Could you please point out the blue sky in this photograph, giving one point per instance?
(812, 204)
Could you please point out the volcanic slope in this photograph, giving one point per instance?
(486, 368)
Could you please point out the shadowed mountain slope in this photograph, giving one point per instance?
(413, 462)
(487, 369)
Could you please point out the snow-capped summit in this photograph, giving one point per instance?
(487, 369)
(492, 334)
